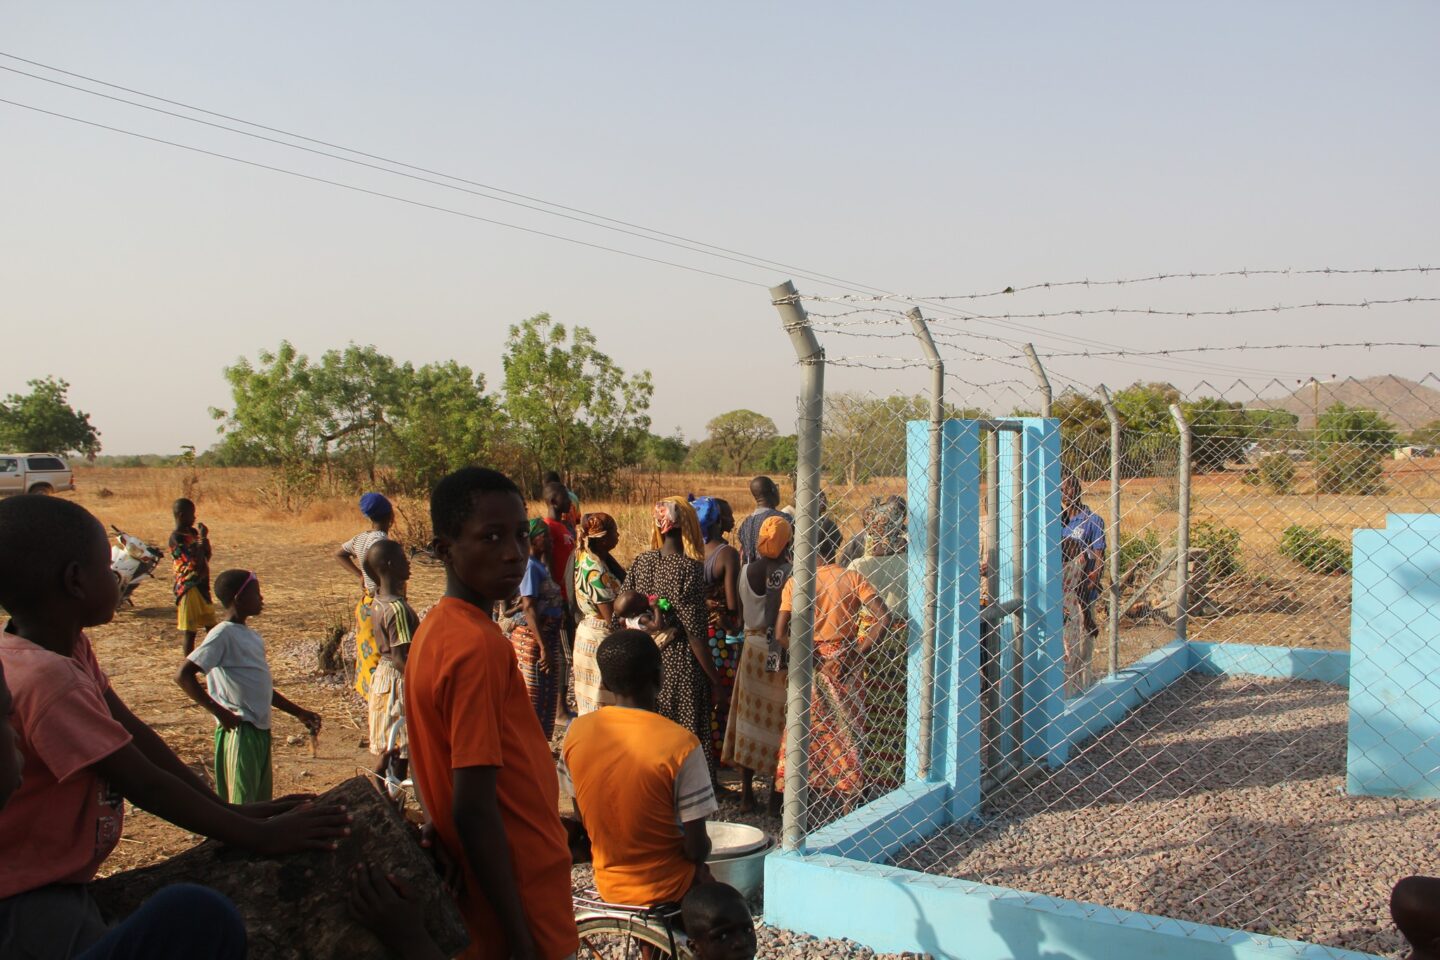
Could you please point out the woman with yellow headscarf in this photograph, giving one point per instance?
(689, 523)
(672, 570)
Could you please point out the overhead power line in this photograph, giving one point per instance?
(484, 190)
(378, 193)
(860, 292)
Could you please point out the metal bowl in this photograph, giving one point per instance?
(733, 839)
(738, 856)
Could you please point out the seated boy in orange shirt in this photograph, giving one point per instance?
(477, 755)
(640, 783)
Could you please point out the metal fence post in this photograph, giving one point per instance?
(1047, 397)
(802, 620)
(1182, 533)
(1112, 537)
(932, 540)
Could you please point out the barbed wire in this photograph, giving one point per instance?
(947, 338)
(1186, 275)
(1367, 344)
(1191, 314)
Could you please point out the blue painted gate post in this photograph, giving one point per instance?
(1042, 648)
(955, 740)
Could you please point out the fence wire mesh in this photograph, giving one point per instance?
(1221, 798)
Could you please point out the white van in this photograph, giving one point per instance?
(34, 473)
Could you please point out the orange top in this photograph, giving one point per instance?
(624, 765)
(466, 706)
(840, 594)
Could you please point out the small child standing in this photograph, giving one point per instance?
(351, 555)
(190, 549)
(395, 623)
(241, 692)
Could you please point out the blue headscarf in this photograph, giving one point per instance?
(707, 511)
(375, 506)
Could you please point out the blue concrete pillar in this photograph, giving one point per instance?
(1044, 614)
(955, 744)
(1042, 645)
(1394, 729)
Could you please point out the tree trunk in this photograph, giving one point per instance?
(296, 906)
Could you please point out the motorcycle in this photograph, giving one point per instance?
(133, 561)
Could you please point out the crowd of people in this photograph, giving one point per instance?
(539, 623)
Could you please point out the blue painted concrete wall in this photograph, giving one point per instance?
(1394, 730)
(893, 910)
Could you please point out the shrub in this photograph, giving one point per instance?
(1309, 547)
(1277, 472)
(1221, 545)
(1350, 468)
(1139, 550)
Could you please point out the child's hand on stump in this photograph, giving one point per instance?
(307, 827)
(387, 907)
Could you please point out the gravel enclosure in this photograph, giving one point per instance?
(1221, 801)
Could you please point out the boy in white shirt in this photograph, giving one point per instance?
(241, 692)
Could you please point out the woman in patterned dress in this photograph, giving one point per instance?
(722, 575)
(597, 580)
(886, 568)
(837, 702)
(672, 570)
(757, 704)
(536, 635)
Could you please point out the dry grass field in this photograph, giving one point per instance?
(307, 592)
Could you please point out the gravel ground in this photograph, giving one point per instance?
(1221, 801)
(774, 943)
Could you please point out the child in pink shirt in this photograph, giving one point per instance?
(83, 751)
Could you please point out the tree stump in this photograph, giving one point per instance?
(296, 906)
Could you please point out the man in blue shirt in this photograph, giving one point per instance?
(1083, 524)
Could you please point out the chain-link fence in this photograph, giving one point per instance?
(1121, 632)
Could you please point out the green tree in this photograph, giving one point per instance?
(781, 457)
(740, 436)
(1221, 430)
(1145, 407)
(704, 457)
(356, 392)
(663, 454)
(1428, 435)
(1084, 435)
(43, 420)
(1353, 444)
(1355, 425)
(570, 407)
(865, 437)
(444, 421)
(274, 417)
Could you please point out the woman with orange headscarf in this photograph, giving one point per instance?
(597, 580)
(673, 570)
(757, 702)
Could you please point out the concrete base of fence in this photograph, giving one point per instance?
(893, 911)
(841, 888)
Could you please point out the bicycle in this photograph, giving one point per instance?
(615, 931)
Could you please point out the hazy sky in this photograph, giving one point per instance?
(926, 148)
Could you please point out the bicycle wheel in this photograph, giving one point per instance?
(627, 938)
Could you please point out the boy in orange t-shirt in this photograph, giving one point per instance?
(640, 782)
(477, 754)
